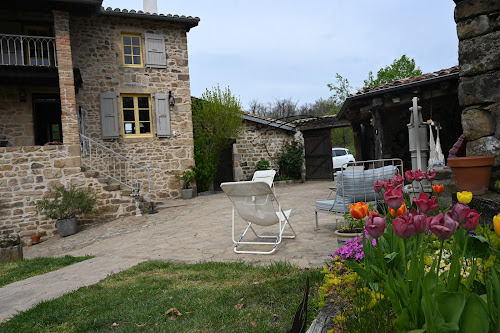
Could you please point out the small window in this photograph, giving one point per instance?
(339, 152)
(132, 51)
(136, 115)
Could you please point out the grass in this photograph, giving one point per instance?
(20, 270)
(212, 297)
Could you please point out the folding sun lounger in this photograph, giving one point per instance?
(256, 204)
(265, 176)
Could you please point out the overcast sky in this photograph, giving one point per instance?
(273, 49)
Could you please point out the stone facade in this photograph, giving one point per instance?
(478, 29)
(259, 142)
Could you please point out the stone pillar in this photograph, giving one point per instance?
(478, 31)
(69, 117)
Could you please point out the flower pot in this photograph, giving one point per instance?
(35, 239)
(187, 193)
(67, 227)
(472, 173)
(343, 237)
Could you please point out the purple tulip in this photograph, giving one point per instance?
(472, 220)
(425, 205)
(379, 185)
(375, 225)
(398, 179)
(393, 196)
(410, 175)
(443, 226)
(462, 211)
(402, 226)
(430, 175)
(419, 220)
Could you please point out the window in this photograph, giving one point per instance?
(136, 115)
(132, 52)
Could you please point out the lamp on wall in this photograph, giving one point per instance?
(22, 95)
(171, 99)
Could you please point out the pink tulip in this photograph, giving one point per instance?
(472, 220)
(430, 175)
(375, 225)
(425, 205)
(419, 220)
(393, 196)
(418, 175)
(379, 185)
(398, 179)
(410, 175)
(402, 226)
(443, 226)
(462, 211)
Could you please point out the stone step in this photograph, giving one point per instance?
(113, 187)
(90, 174)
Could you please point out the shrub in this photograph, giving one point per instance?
(291, 159)
(67, 202)
(263, 165)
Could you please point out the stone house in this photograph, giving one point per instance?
(111, 85)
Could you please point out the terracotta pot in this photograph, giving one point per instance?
(35, 239)
(472, 173)
(343, 237)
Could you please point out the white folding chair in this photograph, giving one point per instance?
(265, 176)
(256, 204)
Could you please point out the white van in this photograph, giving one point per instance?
(341, 156)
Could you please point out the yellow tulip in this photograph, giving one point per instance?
(464, 197)
(496, 223)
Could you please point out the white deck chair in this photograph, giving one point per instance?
(256, 204)
(265, 176)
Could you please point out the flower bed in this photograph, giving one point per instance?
(421, 266)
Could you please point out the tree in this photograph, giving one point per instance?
(216, 122)
(341, 92)
(399, 69)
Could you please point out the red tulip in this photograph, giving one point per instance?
(379, 185)
(398, 179)
(410, 175)
(443, 226)
(375, 225)
(402, 226)
(472, 220)
(462, 211)
(393, 196)
(426, 205)
(430, 175)
(418, 175)
(419, 221)
(438, 188)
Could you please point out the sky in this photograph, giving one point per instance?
(266, 50)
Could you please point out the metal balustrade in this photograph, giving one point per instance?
(22, 50)
(100, 158)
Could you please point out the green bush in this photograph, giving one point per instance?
(67, 202)
(291, 160)
(187, 177)
(263, 165)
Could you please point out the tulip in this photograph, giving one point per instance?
(393, 196)
(358, 210)
(438, 188)
(401, 210)
(375, 225)
(430, 175)
(398, 179)
(464, 197)
(410, 175)
(402, 226)
(443, 226)
(472, 220)
(496, 223)
(419, 221)
(379, 185)
(462, 211)
(419, 175)
(425, 205)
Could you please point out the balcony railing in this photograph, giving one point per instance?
(22, 50)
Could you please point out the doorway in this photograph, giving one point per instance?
(47, 118)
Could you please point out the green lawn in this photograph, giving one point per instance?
(20, 270)
(212, 297)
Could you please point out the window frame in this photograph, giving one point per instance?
(136, 116)
(132, 54)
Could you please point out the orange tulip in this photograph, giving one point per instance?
(496, 224)
(401, 210)
(358, 210)
(438, 188)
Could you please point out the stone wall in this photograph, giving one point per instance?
(478, 30)
(16, 118)
(96, 46)
(259, 142)
(28, 173)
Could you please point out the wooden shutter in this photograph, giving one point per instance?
(163, 128)
(155, 51)
(109, 116)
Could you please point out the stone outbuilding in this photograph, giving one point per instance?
(83, 86)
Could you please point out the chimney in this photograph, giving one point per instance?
(150, 6)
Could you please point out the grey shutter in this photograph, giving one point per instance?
(109, 116)
(155, 51)
(162, 115)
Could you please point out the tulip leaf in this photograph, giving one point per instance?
(477, 247)
(390, 257)
(475, 316)
(451, 305)
(420, 330)
(403, 323)
(360, 270)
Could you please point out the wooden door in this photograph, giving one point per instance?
(225, 170)
(318, 154)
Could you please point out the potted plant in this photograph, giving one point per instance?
(65, 205)
(186, 178)
(472, 173)
(35, 239)
(352, 228)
